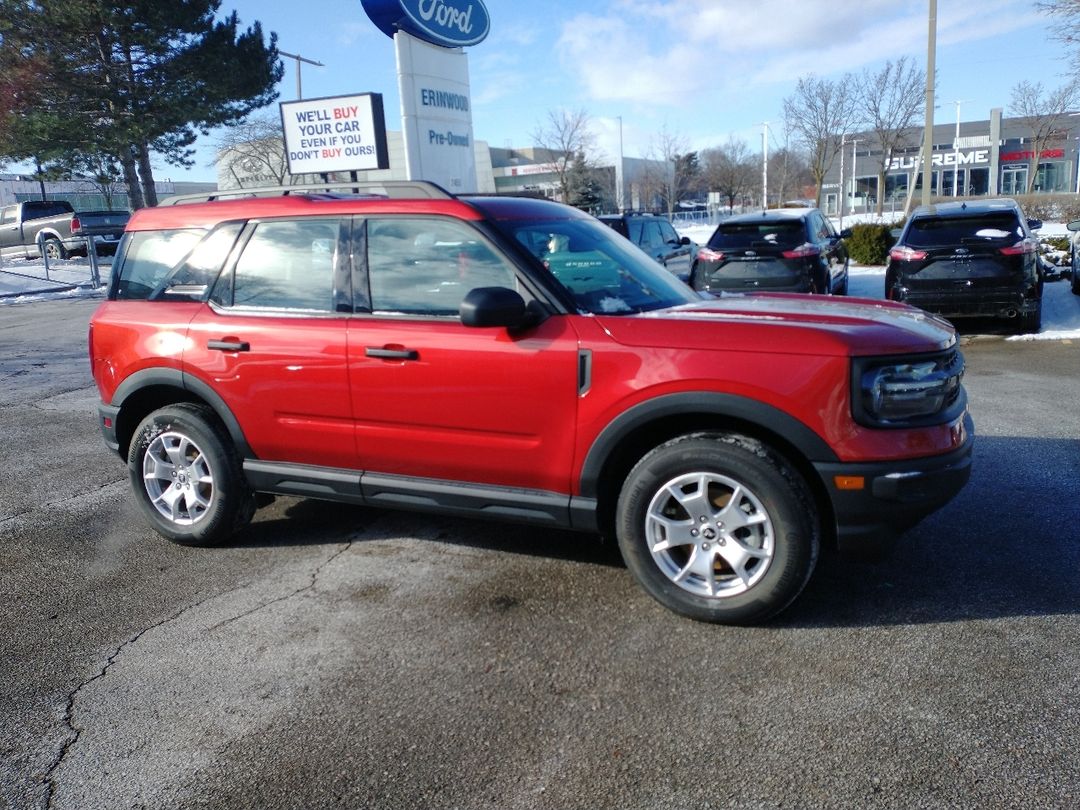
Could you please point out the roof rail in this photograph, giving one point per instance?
(392, 189)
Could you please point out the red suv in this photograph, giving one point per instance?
(515, 359)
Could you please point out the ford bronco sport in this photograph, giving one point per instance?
(515, 359)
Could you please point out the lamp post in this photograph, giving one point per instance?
(843, 143)
(928, 132)
(956, 151)
(299, 59)
(765, 166)
(854, 182)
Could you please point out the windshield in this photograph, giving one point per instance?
(603, 272)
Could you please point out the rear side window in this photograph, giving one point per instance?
(288, 265)
(937, 231)
(788, 233)
(147, 258)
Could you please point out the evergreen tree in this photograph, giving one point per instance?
(127, 79)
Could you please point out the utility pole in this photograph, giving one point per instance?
(299, 59)
(843, 143)
(765, 167)
(854, 184)
(928, 127)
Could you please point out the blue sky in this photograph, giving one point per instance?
(700, 70)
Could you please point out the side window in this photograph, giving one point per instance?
(424, 266)
(653, 236)
(635, 232)
(7, 216)
(147, 258)
(667, 233)
(288, 264)
(192, 278)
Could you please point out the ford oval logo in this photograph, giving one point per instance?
(448, 23)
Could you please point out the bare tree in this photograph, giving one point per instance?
(730, 169)
(253, 153)
(1043, 112)
(891, 101)
(819, 114)
(661, 175)
(1068, 31)
(567, 137)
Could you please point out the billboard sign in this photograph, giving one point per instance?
(336, 134)
(446, 23)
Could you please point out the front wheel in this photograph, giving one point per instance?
(187, 478)
(718, 527)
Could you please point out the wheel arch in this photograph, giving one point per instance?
(150, 389)
(635, 432)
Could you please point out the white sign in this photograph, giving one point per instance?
(436, 114)
(338, 134)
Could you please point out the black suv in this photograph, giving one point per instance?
(656, 236)
(785, 250)
(969, 259)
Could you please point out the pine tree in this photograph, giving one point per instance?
(124, 80)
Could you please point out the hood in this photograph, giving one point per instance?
(788, 323)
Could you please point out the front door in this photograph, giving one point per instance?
(434, 399)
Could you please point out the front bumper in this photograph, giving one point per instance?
(895, 496)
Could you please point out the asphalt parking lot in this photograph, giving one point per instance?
(353, 658)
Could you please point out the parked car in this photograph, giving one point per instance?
(1074, 255)
(974, 258)
(514, 359)
(63, 230)
(657, 237)
(783, 250)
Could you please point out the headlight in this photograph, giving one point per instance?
(908, 392)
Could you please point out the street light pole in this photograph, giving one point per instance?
(854, 184)
(765, 167)
(928, 127)
(843, 143)
(299, 59)
(956, 151)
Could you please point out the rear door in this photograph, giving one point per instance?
(434, 399)
(272, 340)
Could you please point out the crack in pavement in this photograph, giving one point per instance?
(38, 507)
(75, 732)
(297, 592)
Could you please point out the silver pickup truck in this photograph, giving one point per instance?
(63, 230)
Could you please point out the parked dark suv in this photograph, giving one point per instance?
(657, 237)
(785, 250)
(969, 259)
(514, 359)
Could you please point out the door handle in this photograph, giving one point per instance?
(392, 354)
(229, 345)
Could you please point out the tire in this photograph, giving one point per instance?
(736, 563)
(1075, 280)
(1031, 322)
(54, 249)
(187, 477)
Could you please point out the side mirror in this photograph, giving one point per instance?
(495, 306)
(685, 240)
(846, 233)
(1074, 225)
(1034, 224)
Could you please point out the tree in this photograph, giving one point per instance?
(252, 153)
(127, 79)
(789, 173)
(566, 137)
(819, 114)
(584, 187)
(1044, 113)
(730, 170)
(1068, 32)
(890, 100)
(661, 173)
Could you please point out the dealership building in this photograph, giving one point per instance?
(978, 158)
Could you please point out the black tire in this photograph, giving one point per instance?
(1075, 280)
(187, 477)
(772, 533)
(54, 249)
(1031, 322)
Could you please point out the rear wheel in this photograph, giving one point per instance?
(718, 527)
(1031, 322)
(54, 249)
(187, 478)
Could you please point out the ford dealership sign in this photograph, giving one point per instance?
(448, 23)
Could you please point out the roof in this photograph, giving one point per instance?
(771, 214)
(967, 207)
